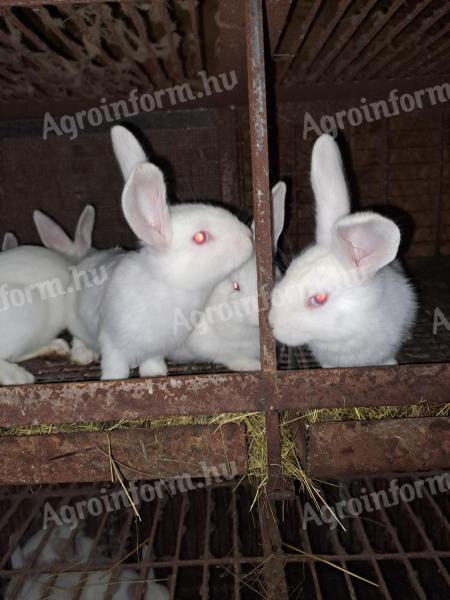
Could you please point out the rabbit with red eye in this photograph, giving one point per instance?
(344, 296)
(227, 331)
(186, 250)
(33, 300)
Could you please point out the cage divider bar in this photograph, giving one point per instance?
(404, 557)
(275, 584)
(262, 215)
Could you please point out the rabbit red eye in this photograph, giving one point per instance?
(236, 286)
(318, 299)
(200, 237)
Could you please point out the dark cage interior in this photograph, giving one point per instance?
(209, 543)
(193, 77)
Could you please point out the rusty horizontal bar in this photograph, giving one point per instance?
(364, 386)
(350, 448)
(56, 2)
(157, 453)
(245, 560)
(129, 399)
(102, 401)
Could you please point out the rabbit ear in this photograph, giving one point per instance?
(145, 206)
(278, 208)
(128, 151)
(278, 194)
(52, 235)
(83, 231)
(9, 241)
(367, 241)
(329, 186)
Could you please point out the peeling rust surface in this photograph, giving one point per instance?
(157, 453)
(365, 386)
(128, 399)
(373, 447)
(260, 174)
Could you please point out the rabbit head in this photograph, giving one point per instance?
(54, 237)
(331, 288)
(189, 245)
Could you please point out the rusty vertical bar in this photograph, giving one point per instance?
(263, 222)
(260, 173)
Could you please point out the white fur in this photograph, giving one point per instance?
(135, 319)
(41, 276)
(371, 304)
(10, 241)
(228, 328)
(77, 548)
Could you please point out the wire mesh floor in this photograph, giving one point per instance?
(432, 277)
(208, 543)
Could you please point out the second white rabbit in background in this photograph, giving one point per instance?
(228, 328)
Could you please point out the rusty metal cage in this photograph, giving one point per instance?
(289, 58)
(208, 544)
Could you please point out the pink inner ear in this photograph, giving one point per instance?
(356, 253)
(144, 205)
(368, 242)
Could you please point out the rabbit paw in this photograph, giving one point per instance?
(153, 367)
(391, 361)
(244, 364)
(81, 354)
(12, 374)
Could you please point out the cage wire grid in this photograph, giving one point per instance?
(208, 543)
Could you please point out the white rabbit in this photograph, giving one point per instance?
(9, 241)
(94, 584)
(228, 327)
(34, 288)
(342, 296)
(144, 310)
(55, 238)
(58, 346)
